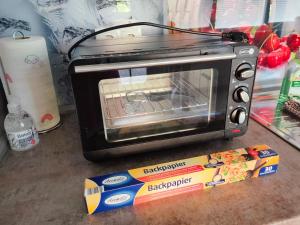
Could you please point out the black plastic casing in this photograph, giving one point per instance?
(143, 49)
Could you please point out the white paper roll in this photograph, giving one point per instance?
(26, 74)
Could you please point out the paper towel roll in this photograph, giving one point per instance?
(26, 74)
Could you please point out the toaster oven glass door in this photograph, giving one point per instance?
(140, 103)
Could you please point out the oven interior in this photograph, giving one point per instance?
(149, 105)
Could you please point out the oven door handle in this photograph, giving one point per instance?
(152, 62)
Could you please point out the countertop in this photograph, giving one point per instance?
(45, 185)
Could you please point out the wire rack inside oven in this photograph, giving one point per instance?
(158, 98)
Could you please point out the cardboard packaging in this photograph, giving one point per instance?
(149, 183)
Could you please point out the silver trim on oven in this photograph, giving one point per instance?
(152, 62)
(152, 145)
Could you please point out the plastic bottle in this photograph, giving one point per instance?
(290, 87)
(19, 126)
(294, 90)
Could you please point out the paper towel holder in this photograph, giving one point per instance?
(15, 37)
(60, 123)
(18, 36)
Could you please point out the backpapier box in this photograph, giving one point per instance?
(149, 183)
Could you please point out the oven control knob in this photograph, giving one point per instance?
(244, 71)
(241, 94)
(238, 116)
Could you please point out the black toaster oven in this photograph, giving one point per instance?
(147, 93)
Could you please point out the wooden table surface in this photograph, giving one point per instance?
(45, 185)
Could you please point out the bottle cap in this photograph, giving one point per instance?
(13, 105)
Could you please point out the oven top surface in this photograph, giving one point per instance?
(151, 44)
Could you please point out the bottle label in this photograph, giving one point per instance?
(23, 140)
(295, 84)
